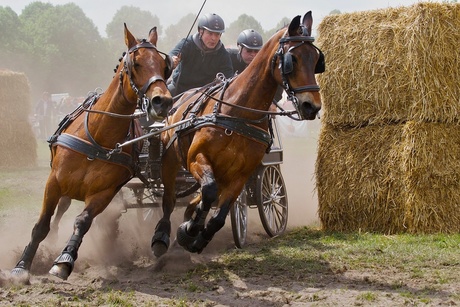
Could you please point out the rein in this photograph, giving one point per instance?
(282, 113)
(130, 116)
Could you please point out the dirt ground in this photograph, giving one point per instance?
(123, 272)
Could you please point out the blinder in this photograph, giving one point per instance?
(321, 64)
(288, 66)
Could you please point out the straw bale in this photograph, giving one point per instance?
(15, 101)
(391, 65)
(431, 176)
(358, 179)
(18, 146)
(390, 178)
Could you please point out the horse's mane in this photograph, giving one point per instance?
(283, 27)
(278, 31)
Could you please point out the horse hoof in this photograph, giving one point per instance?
(183, 238)
(160, 243)
(20, 275)
(159, 249)
(60, 270)
(199, 244)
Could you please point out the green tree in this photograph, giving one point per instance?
(243, 22)
(10, 25)
(281, 24)
(139, 23)
(12, 47)
(69, 54)
(175, 32)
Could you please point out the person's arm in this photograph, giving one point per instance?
(176, 52)
(178, 48)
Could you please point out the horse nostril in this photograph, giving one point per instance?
(160, 105)
(311, 106)
(309, 110)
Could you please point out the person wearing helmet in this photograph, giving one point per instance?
(249, 43)
(200, 57)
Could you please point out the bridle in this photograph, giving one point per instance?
(142, 99)
(286, 66)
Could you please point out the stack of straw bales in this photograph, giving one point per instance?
(18, 147)
(389, 147)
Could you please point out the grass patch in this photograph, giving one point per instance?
(311, 253)
(368, 297)
(23, 188)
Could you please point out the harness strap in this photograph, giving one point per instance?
(234, 124)
(69, 118)
(92, 152)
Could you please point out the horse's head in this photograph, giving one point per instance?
(146, 69)
(298, 61)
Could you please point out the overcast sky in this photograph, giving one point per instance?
(267, 12)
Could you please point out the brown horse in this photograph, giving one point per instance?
(86, 163)
(227, 136)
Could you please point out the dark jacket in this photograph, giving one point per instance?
(197, 66)
(237, 62)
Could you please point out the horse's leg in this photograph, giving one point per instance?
(189, 230)
(40, 229)
(215, 223)
(62, 206)
(64, 263)
(161, 238)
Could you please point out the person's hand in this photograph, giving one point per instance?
(176, 60)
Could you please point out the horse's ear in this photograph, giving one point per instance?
(307, 21)
(294, 26)
(130, 40)
(153, 36)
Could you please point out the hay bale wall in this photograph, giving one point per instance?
(18, 147)
(390, 179)
(358, 179)
(392, 65)
(388, 155)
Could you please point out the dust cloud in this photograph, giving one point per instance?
(298, 171)
(120, 236)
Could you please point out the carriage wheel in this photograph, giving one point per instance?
(239, 219)
(148, 216)
(272, 200)
(149, 210)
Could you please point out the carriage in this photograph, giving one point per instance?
(89, 164)
(265, 190)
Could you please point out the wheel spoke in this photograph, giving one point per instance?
(273, 201)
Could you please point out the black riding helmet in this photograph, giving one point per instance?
(212, 22)
(250, 39)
